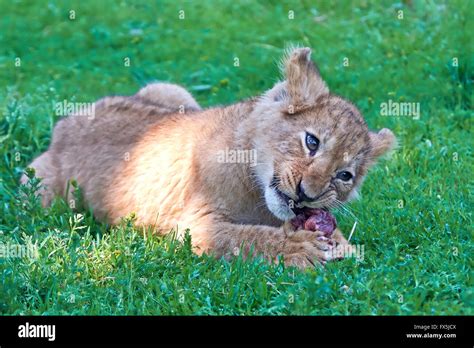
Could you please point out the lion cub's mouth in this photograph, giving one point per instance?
(296, 207)
(285, 198)
(311, 219)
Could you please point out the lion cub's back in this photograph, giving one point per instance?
(115, 120)
(93, 149)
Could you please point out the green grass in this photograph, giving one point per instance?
(415, 214)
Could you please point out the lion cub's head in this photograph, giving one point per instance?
(314, 148)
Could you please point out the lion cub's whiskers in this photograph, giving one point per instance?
(352, 231)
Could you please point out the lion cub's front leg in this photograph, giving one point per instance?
(298, 248)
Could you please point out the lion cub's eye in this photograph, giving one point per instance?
(344, 176)
(312, 143)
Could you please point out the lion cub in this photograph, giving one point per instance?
(159, 155)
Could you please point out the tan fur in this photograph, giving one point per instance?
(148, 155)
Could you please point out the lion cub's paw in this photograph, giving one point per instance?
(342, 246)
(305, 249)
(344, 250)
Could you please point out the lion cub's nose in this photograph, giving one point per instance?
(302, 195)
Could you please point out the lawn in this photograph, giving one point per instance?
(415, 212)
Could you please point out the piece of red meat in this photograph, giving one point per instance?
(315, 219)
(298, 221)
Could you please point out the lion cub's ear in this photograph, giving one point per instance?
(382, 142)
(303, 81)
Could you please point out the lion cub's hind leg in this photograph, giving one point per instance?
(169, 96)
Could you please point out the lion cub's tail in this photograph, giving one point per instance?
(168, 95)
